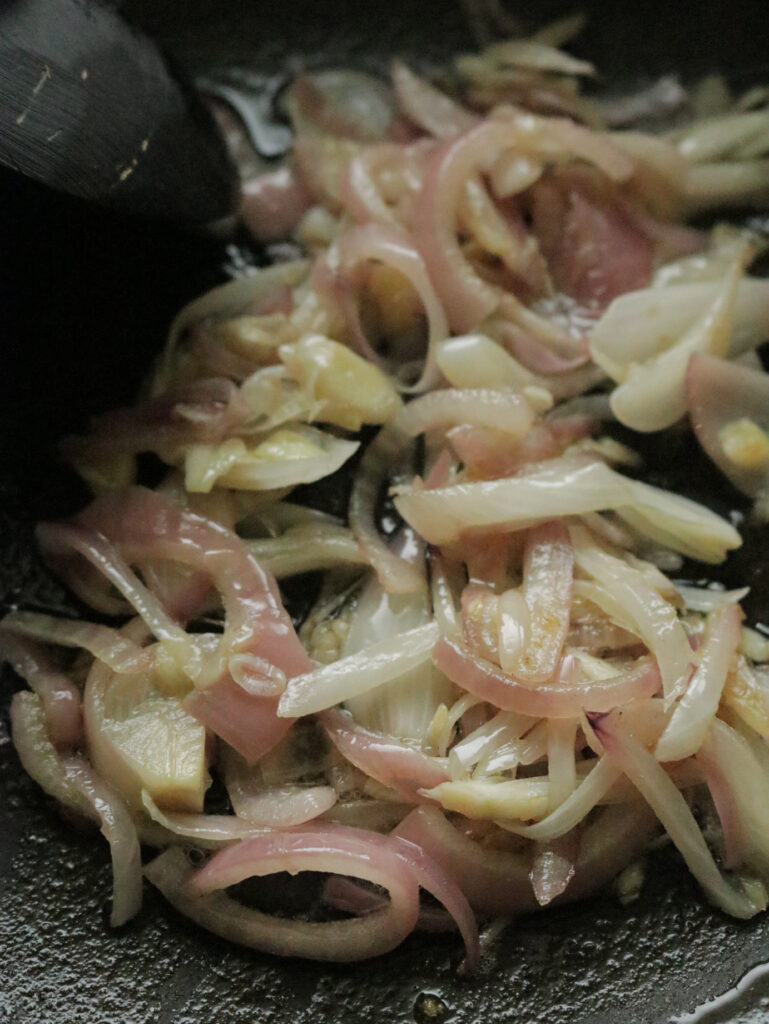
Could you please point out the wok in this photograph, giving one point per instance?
(86, 298)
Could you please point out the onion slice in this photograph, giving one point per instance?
(59, 696)
(548, 573)
(108, 645)
(357, 673)
(671, 808)
(391, 762)
(559, 698)
(427, 106)
(723, 396)
(511, 413)
(697, 709)
(562, 487)
(118, 828)
(393, 248)
(335, 849)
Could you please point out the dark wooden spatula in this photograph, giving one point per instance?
(89, 106)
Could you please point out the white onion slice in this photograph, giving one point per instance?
(358, 673)
(427, 106)
(642, 324)
(565, 487)
(652, 395)
(697, 708)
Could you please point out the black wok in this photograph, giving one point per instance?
(85, 300)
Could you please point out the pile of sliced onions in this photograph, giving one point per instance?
(498, 696)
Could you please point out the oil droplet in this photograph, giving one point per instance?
(430, 1009)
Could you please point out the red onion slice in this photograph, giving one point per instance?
(333, 849)
(496, 882)
(395, 764)
(58, 541)
(74, 783)
(272, 806)
(394, 249)
(720, 393)
(738, 780)
(204, 411)
(38, 756)
(59, 696)
(468, 299)
(144, 525)
(556, 699)
(670, 806)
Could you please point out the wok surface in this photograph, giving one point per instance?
(87, 299)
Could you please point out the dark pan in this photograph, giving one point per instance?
(85, 300)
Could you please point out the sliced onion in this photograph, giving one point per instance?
(629, 599)
(59, 696)
(561, 760)
(707, 599)
(440, 884)
(306, 549)
(673, 811)
(207, 830)
(556, 699)
(429, 107)
(652, 396)
(340, 102)
(199, 412)
(697, 708)
(588, 794)
(358, 673)
(341, 850)
(737, 782)
(497, 882)
(38, 756)
(391, 762)
(548, 570)
(567, 487)
(119, 830)
(226, 300)
(508, 412)
(266, 805)
(58, 541)
(145, 526)
(718, 394)
(468, 299)
(394, 249)
(102, 642)
(642, 324)
(293, 454)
